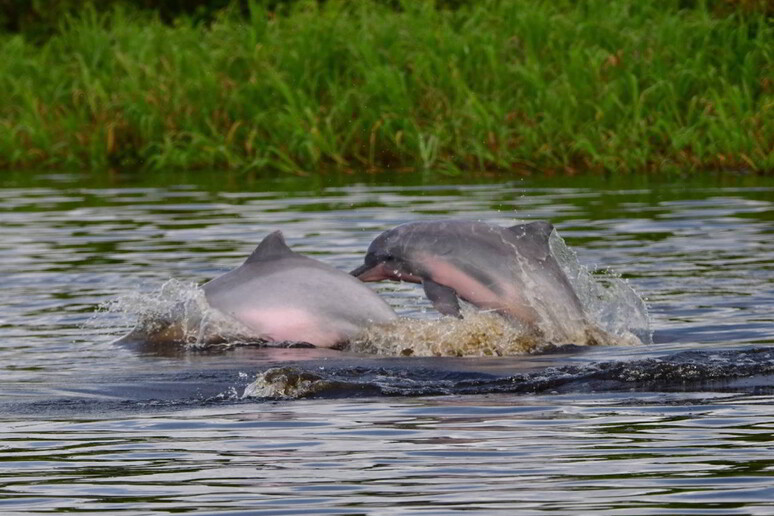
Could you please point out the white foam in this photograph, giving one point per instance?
(178, 313)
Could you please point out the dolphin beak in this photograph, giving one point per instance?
(360, 270)
(367, 273)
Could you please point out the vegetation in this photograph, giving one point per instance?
(489, 85)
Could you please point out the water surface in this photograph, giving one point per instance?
(680, 426)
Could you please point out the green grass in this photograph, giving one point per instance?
(509, 86)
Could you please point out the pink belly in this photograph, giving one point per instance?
(475, 292)
(290, 324)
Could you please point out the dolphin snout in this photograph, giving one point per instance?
(376, 272)
(360, 270)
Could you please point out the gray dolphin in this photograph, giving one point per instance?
(286, 296)
(279, 296)
(508, 270)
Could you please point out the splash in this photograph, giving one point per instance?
(477, 334)
(286, 383)
(609, 302)
(178, 313)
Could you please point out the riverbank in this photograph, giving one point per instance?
(498, 86)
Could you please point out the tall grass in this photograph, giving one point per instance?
(495, 85)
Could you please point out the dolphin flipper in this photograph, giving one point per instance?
(444, 298)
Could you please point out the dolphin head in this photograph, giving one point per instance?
(388, 258)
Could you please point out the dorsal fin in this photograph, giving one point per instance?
(272, 247)
(534, 238)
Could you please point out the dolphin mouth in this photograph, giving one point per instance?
(367, 273)
(380, 272)
(360, 270)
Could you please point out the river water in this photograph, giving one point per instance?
(682, 425)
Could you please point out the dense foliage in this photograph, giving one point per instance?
(519, 85)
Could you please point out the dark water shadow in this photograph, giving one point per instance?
(223, 376)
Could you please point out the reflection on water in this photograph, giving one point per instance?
(87, 425)
(638, 454)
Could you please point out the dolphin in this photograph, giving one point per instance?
(281, 296)
(285, 296)
(508, 270)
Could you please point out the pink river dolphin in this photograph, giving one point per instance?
(508, 270)
(278, 295)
